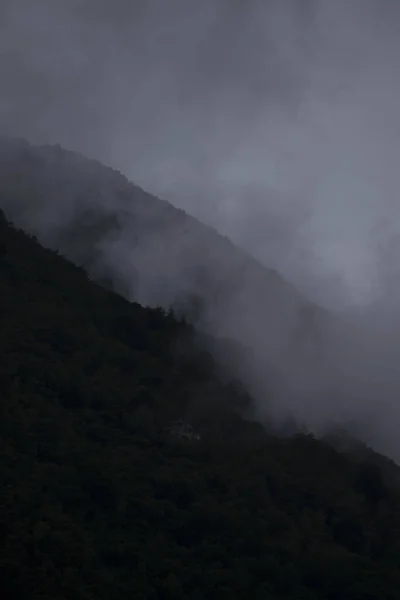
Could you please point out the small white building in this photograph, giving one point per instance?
(183, 430)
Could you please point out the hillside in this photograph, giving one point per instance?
(100, 499)
(151, 252)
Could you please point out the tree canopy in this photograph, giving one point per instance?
(100, 501)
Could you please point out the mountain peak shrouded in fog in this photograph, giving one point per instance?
(151, 251)
(200, 293)
(297, 358)
(275, 121)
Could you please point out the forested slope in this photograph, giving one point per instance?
(98, 500)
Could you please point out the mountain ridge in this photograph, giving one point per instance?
(148, 201)
(148, 250)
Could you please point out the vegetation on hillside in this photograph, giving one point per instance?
(99, 501)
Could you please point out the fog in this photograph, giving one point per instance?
(275, 121)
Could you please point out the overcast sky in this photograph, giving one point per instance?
(277, 121)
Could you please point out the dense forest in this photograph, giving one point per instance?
(102, 496)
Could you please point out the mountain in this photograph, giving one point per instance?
(149, 251)
(127, 470)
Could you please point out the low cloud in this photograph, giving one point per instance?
(275, 121)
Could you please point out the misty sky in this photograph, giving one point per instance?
(277, 121)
